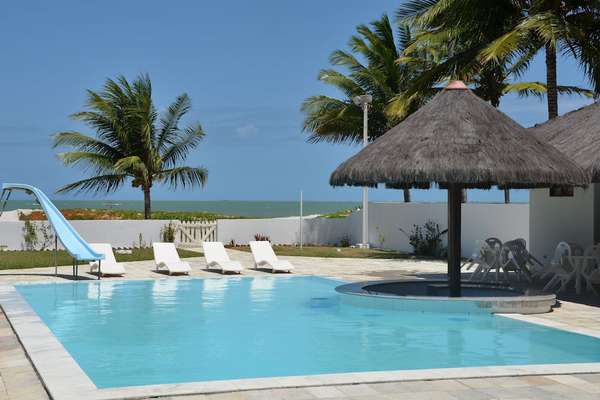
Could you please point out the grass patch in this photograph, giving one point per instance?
(338, 214)
(36, 259)
(337, 252)
(101, 214)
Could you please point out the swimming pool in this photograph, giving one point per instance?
(127, 333)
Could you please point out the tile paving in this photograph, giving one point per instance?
(19, 381)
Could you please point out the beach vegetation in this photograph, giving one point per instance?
(102, 214)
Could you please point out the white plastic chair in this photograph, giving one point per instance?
(574, 268)
(594, 274)
(265, 257)
(216, 257)
(486, 259)
(515, 257)
(166, 257)
(562, 250)
(108, 266)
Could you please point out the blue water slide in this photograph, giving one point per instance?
(68, 236)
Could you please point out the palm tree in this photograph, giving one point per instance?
(569, 27)
(513, 32)
(371, 69)
(132, 141)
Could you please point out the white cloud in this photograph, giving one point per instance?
(247, 130)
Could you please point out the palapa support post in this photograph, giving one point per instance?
(454, 221)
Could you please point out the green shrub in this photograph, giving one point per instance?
(30, 238)
(345, 241)
(36, 235)
(426, 240)
(167, 233)
(259, 237)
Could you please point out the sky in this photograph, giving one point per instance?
(247, 66)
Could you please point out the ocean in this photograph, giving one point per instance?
(259, 209)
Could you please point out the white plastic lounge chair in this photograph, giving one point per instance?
(264, 257)
(108, 266)
(216, 257)
(166, 258)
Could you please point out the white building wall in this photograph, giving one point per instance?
(556, 219)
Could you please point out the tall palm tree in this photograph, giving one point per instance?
(570, 27)
(468, 29)
(371, 68)
(132, 141)
(509, 31)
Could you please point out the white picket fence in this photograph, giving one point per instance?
(193, 233)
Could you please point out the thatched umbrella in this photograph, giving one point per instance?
(577, 135)
(458, 141)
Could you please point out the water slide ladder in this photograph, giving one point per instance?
(75, 245)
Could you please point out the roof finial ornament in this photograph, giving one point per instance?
(456, 85)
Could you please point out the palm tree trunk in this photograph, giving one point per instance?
(147, 203)
(551, 83)
(506, 196)
(407, 195)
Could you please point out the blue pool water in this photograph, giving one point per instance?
(170, 331)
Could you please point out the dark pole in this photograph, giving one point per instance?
(454, 212)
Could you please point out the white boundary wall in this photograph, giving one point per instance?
(505, 221)
(120, 233)
(479, 221)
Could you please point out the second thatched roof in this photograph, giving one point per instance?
(457, 138)
(577, 135)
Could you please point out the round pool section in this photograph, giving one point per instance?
(432, 296)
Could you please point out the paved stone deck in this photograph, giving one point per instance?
(19, 381)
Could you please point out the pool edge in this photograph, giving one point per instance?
(65, 380)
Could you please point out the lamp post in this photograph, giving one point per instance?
(363, 102)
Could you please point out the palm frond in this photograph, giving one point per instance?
(342, 82)
(133, 165)
(539, 90)
(101, 164)
(97, 184)
(170, 120)
(184, 177)
(179, 147)
(332, 120)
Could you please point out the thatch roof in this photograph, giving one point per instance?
(577, 135)
(459, 138)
